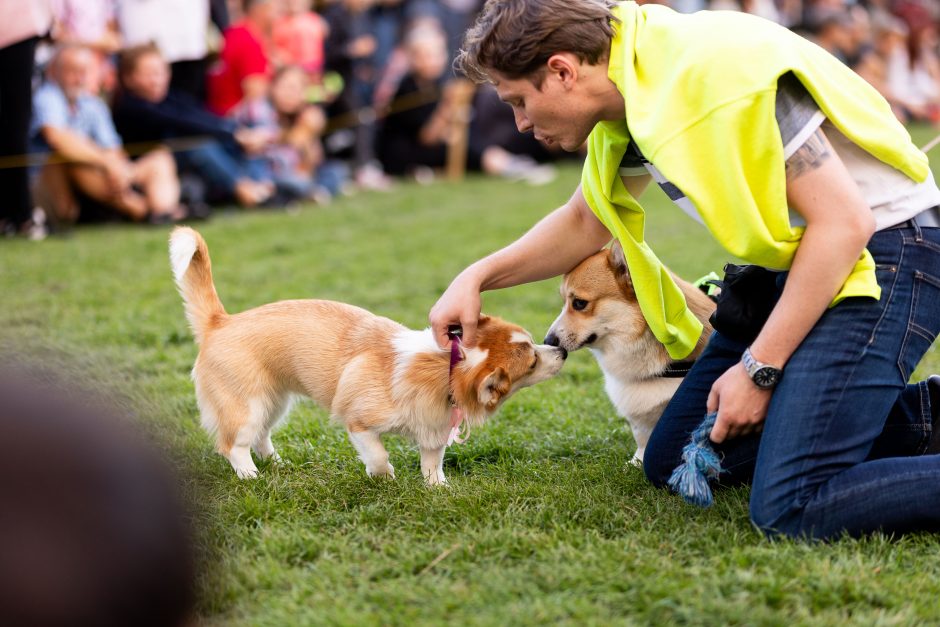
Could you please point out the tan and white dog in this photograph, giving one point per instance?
(372, 374)
(601, 313)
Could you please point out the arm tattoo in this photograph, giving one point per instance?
(809, 156)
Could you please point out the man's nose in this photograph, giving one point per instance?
(522, 122)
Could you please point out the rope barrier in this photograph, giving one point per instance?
(350, 119)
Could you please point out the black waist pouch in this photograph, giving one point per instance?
(748, 295)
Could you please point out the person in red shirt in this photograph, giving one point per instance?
(299, 36)
(243, 72)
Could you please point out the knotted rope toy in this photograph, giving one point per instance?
(700, 464)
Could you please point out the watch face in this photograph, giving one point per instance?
(766, 377)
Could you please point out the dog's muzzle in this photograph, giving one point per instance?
(552, 340)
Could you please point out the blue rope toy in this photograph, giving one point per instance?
(700, 463)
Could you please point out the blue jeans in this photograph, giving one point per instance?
(221, 167)
(843, 442)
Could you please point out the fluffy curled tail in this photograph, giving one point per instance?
(192, 270)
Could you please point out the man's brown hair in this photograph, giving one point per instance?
(130, 58)
(517, 37)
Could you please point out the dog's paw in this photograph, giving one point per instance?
(635, 462)
(435, 479)
(386, 472)
(246, 473)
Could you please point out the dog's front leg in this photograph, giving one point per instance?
(432, 465)
(372, 453)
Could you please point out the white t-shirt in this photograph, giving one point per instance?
(892, 196)
(179, 28)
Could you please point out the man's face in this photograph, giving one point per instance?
(150, 80)
(556, 115)
(71, 71)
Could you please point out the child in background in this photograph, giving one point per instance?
(294, 127)
(298, 38)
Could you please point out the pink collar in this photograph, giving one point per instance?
(456, 415)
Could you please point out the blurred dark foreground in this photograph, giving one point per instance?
(92, 528)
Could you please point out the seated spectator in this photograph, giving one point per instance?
(298, 38)
(178, 28)
(90, 23)
(293, 129)
(78, 128)
(415, 134)
(148, 110)
(243, 71)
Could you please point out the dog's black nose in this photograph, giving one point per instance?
(552, 340)
(564, 353)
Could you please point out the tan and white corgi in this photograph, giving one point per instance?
(601, 313)
(374, 375)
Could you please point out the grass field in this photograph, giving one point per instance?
(543, 523)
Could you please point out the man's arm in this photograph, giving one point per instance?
(74, 147)
(838, 226)
(555, 245)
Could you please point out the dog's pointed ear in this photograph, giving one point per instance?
(493, 388)
(618, 263)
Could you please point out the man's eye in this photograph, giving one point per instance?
(578, 304)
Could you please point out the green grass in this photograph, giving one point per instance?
(543, 522)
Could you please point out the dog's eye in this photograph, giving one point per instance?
(535, 362)
(578, 304)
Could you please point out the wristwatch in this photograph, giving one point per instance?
(763, 375)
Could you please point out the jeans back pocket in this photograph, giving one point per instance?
(923, 323)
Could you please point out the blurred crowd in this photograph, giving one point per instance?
(156, 110)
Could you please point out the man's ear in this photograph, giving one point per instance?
(493, 387)
(565, 67)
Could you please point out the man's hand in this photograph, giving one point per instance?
(741, 405)
(460, 304)
(118, 172)
(552, 247)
